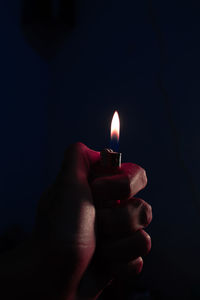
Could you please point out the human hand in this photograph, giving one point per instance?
(82, 235)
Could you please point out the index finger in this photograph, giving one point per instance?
(131, 179)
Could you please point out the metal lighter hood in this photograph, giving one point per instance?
(110, 159)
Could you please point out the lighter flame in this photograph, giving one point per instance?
(115, 126)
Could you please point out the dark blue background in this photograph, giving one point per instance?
(141, 58)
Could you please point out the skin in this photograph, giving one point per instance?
(84, 236)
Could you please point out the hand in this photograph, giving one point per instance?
(83, 235)
(120, 220)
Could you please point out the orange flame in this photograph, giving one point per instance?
(115, 126)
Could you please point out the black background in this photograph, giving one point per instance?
(62, 77)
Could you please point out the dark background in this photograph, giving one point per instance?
(64, 72)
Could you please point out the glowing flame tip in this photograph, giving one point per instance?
(115, 126)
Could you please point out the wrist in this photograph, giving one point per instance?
(56, 270)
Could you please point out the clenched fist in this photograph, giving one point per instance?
(91, 225)
(89, 230)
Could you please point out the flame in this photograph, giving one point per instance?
(115, 126)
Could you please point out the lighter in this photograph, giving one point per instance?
(111, 158)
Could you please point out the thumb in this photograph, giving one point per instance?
(78, 162)
(69, 201)
(66, 218)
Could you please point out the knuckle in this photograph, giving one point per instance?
(133, 214)
(143, 176)
(136, 202)
(139, 265)
(145, 241)
(146, 214)
(135, 174)
(138, 214)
